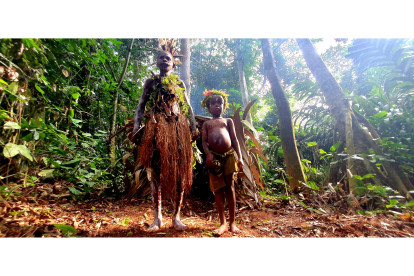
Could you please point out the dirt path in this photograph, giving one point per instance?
(108, 217)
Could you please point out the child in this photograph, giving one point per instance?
(219, 143)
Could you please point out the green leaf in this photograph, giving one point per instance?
(259, 128)
(71, 163)
(75, 96)
(322, 151)
(380, 115)
(272, 138)
(77, 121)
(4, 116)
(311, 144)
(86, 134)
(66, 229)
(13, 87)
(411, 203)
(393, 202)
(11, 150)
(40, 90)
(334, 147)
(74, 191)
(46, 173)
(11, 125)
(368, 176)
(28, 137)
(90, 183)
(125, 222)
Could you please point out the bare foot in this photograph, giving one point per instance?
(155, 226)
(178, 225)
(234, 229)
(221, 230)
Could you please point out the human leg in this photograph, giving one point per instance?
(220, 208)
(178, 225)
(231, 199)
(156, 202)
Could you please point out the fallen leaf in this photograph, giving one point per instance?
(65, 73)
(124, 222)
(406, 217)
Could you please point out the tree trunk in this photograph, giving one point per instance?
(356, 139)
(116, 100)
(287, 133)
(185, 67)
(242, 78)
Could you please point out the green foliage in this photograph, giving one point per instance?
(8, 192)
(66, 87)
(66, 229)
(10, 150)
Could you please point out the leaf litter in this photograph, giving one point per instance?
(32, 213)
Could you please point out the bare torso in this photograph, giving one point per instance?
(218, 135)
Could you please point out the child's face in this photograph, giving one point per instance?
(216, 105)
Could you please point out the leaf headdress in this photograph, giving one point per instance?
(168, 45)
(208, 94)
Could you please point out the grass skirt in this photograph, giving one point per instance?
(166, 149)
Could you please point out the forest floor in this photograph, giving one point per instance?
(32, 212)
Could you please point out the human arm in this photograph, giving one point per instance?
(210, 159)
(139, 112)
(235, 144)
(190, 111)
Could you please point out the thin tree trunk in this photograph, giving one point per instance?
(350, 129)
(287, 133)
(185, 67)
(242, 78)
(116, 100)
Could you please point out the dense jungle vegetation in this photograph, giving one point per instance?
(62, 99)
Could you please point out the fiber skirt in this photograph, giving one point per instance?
(166, 149)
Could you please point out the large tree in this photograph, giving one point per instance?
(287, 133)
(242, 77)
(185, 67)
(349, 131)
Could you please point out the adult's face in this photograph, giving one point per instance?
(165, 61)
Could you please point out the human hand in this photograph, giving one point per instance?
(210, 160)
(240, 165)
